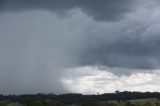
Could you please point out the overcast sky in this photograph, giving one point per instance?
(80, 46)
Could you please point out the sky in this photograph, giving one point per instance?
(79, 46)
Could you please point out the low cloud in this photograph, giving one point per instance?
(94, 80)
(105, 10)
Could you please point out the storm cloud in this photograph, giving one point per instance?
(40, 40)
(109, 10)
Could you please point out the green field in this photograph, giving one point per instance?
(138, 102)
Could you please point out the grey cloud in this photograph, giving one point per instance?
(36, 47)
(106, 10)
(130, 45)
(131, 54)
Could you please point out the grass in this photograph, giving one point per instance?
(142, 101)
(137, 102)
(152, 101)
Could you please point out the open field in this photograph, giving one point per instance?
(136, 102)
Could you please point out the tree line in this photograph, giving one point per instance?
(72, 98)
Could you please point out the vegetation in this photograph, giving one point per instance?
(109, 99)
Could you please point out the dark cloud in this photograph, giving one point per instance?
(109, 10)
(37, 47)
(128, 54)
(126, 44)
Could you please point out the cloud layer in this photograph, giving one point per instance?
(38, 46)
(104, 10)
(89, 80)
